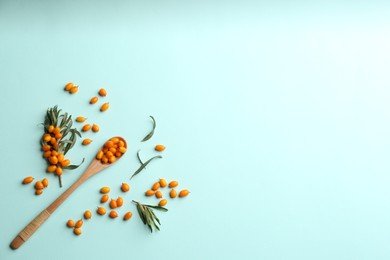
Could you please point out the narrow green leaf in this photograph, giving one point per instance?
(144, 165)
(148, 136)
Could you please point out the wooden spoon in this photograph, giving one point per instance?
(95, 167)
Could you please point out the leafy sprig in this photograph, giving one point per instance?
(148, 136)
(147, 215)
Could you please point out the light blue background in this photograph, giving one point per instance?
(275, 115)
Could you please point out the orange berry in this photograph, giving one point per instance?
(122, 149)
(163, 202)
(119, 202)
(101, 211)
(51, 168)
(99, 155)
(109, 144)
(28, 180)
(53, 140)
(95, 128)
(54, 153)
(69, 86)
(45, 182)
(77, 231)
(173, 193)
(46, 137)
(65, 162)
(86, 128)
(104, 198)
(38, 192)
(79, 223)
(87, 141)
(70, 223)
(60, 157)
(58, 136)
(87, 214)
(73, 89)
(94, 100)
(183, 193)
(158, 194)
(156, 186)
(53, 160)
(125, 187)
(59, 171)
(47, 154)
(104, 159)
(80, 119)
(39, 185)
(127, 216)
(104, 107)
(56, 130)
(173, 184)
(50, 128)
(113, 204)
(112, 159)
(163, 183)
(46, 148)
(102, 92)
(105, 190)
(115, 140)
(149, 193)
(159, 148)
(113, 214)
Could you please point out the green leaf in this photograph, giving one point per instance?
(144, 165)
(148, 136)
(74, 166)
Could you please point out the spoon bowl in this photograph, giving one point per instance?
(94, 167)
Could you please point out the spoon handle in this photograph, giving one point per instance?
(27, 232)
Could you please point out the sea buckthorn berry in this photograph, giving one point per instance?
(86, 128)
(149, 193)
(53, 160)
(163, 202)
(94, 100)
(109, 154)
(77, 231)
(56, 130)
(104, 159)
(95, 128)
(173, 193)
(46, 137)
(113, 204)
(158, 194)
(159, 148)
(65, 162)
(163, 183)
(70, 223)
(28, 180)
(115, 140)
(99, 155)
(173, 184)
(127, 216)
(121, 143)
(183, 193)
(112, 159)
(102, 92)
(87, 214)
(54, 153)
(68, 86)
(58, 136)
(51, 168)
(60, 157)
(156, 186)
(122, 149)
(118, 154)
(104, 198)
(109, 144)
(50, 128)
(46, 148)
(125, 187)
(38, 192)
(73, 90)
(113, 214)
(105, 190)
(45, 182)
(80, 119)
(79, 223)
(87, 141)
(39, 185)
(101, 211)
(119, 202)
(112, 149)
(59, 171)
(47, 154)
(104, 107)
(53, 140)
